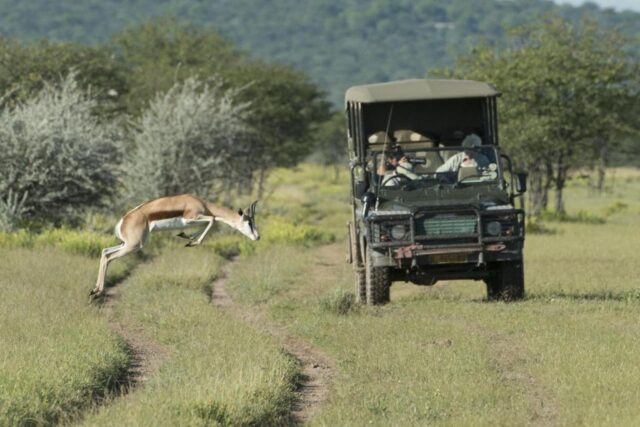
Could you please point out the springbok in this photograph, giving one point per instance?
(171, 213)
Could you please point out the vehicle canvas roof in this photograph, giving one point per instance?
(419, 89)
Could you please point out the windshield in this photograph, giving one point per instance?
(445, 165)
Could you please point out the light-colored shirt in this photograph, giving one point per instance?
(454, 162)
(404, 168)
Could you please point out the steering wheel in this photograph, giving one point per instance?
(394, 176)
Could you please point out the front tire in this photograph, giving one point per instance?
(506, 282)
(378, 282)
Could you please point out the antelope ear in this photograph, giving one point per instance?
(240, 212)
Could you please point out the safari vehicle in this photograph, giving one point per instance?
(449, 213)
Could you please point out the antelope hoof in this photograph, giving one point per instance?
(94, 295)
(190, 244)
(182, 235)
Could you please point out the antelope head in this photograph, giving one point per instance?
(247, 224)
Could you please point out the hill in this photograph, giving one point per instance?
(339, 43)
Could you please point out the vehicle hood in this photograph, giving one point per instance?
(441, 196)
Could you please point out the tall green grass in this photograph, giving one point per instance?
(217, 370)
(57, 353)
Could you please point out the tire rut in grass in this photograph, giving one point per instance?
(146, 355)
(317, 367)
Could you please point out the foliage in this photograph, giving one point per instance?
(338, 43)
(192, 138)
(567, 91)
(27, 68)
(330, 145)
(281, 230)
(339, 302)
(285, 105)
(58, 153)
(75, 242)
(12, 209)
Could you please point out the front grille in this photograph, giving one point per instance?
(446, 224)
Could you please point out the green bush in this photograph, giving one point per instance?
(279, 230)
(74, 242)
(70, 241)
(17, 239)
(227, 246)
(339, 302)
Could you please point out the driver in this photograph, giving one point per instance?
(397, 165)
(467, 158)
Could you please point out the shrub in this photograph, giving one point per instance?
(12, 210)
(339, 302)
(227, 246)
(57, 153)
(190, 139)
(279, 230)
(75, 242)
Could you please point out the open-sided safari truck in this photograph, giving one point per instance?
(432, 195)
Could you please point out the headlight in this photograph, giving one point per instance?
(399, 232)
(494, 228)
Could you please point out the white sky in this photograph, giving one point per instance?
(616, 4)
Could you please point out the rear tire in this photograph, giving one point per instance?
(506, 282)
(378, 282)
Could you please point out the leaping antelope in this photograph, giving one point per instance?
(171, 213)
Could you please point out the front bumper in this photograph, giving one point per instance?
(473, 247)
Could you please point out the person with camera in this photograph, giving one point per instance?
(396, 169)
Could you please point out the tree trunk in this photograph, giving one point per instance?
(602, 165)
(561, 177)
(535, 192)
(547, 184)
(261, 182)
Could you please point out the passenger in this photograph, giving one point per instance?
(467, 158)
(397, 165)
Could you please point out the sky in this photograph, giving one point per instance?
(616, 4)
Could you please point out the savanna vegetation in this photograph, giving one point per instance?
(87, 132)
(337, 43)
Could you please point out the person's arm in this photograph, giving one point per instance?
(451, 165)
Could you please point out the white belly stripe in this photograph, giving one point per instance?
(174, 224)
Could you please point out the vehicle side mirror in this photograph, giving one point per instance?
(521, 182)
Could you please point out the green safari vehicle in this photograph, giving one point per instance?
(432, 195)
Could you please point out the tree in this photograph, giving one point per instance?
(57, 157)
(285, 105)
(194, 138)
(26, 69)
(566, 88)
(330, 143)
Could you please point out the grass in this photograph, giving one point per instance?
(218, 371)
(568, 355)
(58, 353)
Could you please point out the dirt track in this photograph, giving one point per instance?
(317, 367)
(146, 354)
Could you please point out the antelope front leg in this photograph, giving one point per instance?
(201, 235)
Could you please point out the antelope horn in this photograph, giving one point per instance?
(252, 209)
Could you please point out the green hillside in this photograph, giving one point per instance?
(339, 43)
